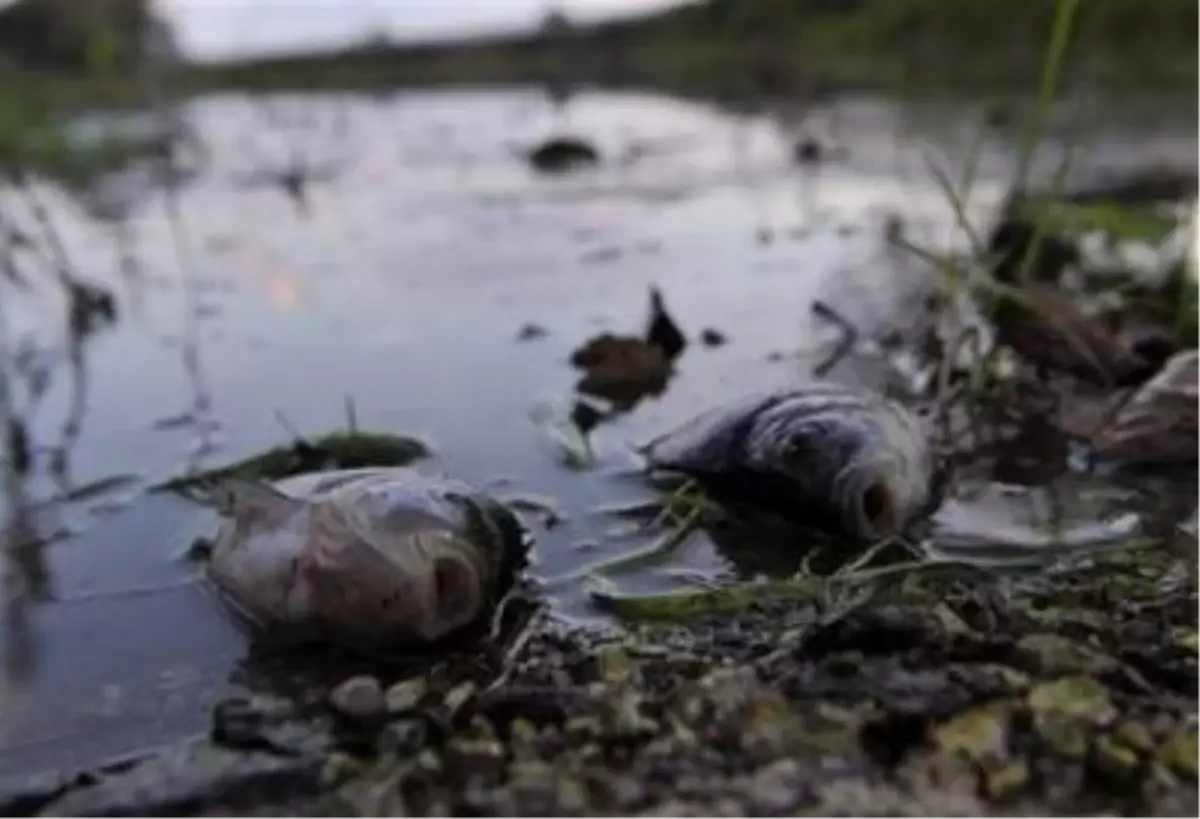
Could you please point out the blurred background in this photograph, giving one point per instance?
(224, 221)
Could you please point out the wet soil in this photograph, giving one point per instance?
(1064, 695)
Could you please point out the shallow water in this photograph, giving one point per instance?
(426, 245)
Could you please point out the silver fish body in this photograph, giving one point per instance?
(824, 456)
(368, 555)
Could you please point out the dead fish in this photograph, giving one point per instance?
(365, 555)
(825, 456)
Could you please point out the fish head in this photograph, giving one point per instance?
(868, 464)
(442, 577)
(378, 580)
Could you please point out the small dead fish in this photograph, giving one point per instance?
(824, 456)
(369, 555)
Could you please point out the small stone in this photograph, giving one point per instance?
(1114, 760)
(340, 768)
(1004, 780)
(1052, 654)
(978, 734)
(402, 738)
(712, 337)
(1134, 735)
(1064, 734)
(1179, 752)
(359, 698)
(613, 663)
(776, 788)
(406, 694)
(1081, 698)
(458, 696)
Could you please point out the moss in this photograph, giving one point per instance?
(1114, 760)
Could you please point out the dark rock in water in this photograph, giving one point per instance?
(711, 337)
(808, 150)
(563, 154)
(822, 456)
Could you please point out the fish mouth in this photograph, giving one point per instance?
(453, 590)
(877, 509)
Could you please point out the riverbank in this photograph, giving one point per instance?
(1069, 692)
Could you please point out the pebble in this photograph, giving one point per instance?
(406, 694)
(403, 738)
(360, 698)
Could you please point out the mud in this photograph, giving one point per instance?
(1058, 694)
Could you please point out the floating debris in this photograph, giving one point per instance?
(625, 369)
(366, 556)
(824, 456)
(661, 330)
(531, 332)
(561, 154)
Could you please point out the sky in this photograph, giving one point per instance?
(217, 29)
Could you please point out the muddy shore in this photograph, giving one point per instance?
(1063, 693)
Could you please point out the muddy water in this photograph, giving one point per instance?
(402, 281)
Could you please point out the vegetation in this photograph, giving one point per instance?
(785, 46)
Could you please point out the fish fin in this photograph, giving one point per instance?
(257, 500)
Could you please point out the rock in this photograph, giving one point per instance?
(808, 150)
(978, 734)
(1179, 752)
(1004, 780)
(403, 738)
(711, 337)
(561, 154)
(359, 698)
(406, 694)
